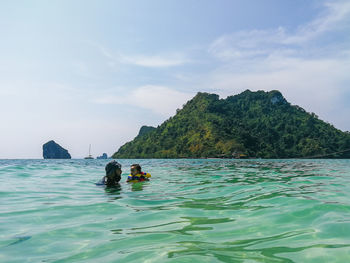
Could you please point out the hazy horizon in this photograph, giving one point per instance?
(88, 72)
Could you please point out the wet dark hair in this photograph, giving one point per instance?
(137, 166)
(111, 167)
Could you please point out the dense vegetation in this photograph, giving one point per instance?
(251, 124)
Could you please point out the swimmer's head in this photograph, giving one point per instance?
(135, 169)
(113, 171)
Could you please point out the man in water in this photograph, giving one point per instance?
(113, 174)
(136, 175)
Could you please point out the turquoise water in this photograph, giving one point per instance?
(191, 211)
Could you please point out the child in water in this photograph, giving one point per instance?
(136, 175)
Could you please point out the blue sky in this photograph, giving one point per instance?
(82, 72)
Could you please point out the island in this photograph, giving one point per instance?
(248, 125)
(52, 150)
(103, 156)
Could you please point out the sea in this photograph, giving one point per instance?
(192, 210)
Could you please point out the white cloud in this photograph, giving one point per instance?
(336, 17)
(151, 61)
(155, 61)
(255, 43)
(159, 99)
(246, 44)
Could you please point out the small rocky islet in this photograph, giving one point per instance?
(103, 156)
(52, 150)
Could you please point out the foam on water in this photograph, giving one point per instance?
(191, 211)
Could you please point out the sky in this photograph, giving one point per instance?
(93, 72)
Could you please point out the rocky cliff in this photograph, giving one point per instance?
(52, 150)
(103, 156)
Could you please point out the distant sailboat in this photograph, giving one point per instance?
(90, 156)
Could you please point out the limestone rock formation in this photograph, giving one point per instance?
(103, 156)
(251, 124)
(145, 129)
(52, 150)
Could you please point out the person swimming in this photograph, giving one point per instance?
(136, 174)
(113, 174)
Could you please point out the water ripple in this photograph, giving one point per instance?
(191, 211)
